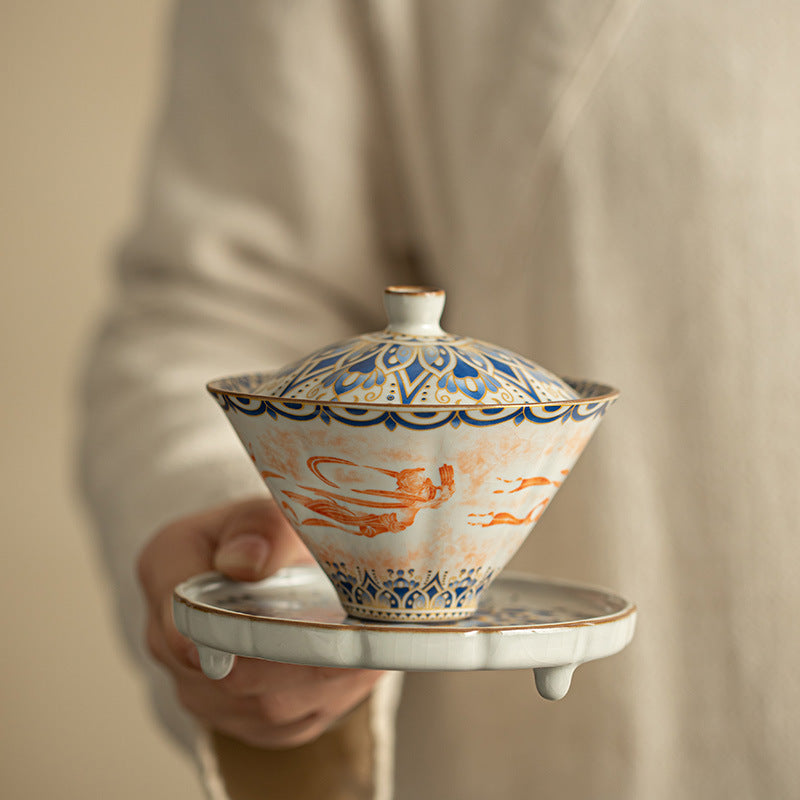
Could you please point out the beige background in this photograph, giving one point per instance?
(79, 87)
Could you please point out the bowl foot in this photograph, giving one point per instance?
(428, 616)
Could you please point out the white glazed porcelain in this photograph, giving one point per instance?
(411, 462)
(523, 622)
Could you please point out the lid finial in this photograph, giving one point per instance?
(414, 310)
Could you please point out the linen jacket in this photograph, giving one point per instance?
(611, 188)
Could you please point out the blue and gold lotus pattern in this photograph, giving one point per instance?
(392, 369)
(408, 595)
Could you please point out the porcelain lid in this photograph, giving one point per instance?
(413, 362)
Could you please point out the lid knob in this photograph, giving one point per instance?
(414, 310)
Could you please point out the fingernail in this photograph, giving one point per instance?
(245, 553)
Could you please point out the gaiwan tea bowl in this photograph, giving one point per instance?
(412, 463)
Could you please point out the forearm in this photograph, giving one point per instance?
(352, 761)
(257, 243)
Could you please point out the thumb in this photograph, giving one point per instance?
(255, 541)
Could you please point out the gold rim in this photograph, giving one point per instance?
(414, 290)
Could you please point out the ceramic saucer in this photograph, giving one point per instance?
(523, 622)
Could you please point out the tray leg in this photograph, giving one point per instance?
(553, 682)
(215, 663)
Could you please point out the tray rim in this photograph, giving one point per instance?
(628, 608)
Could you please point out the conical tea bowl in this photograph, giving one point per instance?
(412, 463)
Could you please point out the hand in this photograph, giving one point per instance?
(262, 703)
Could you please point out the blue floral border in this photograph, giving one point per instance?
(363, 417)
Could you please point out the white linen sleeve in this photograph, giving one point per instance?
(258, 241)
